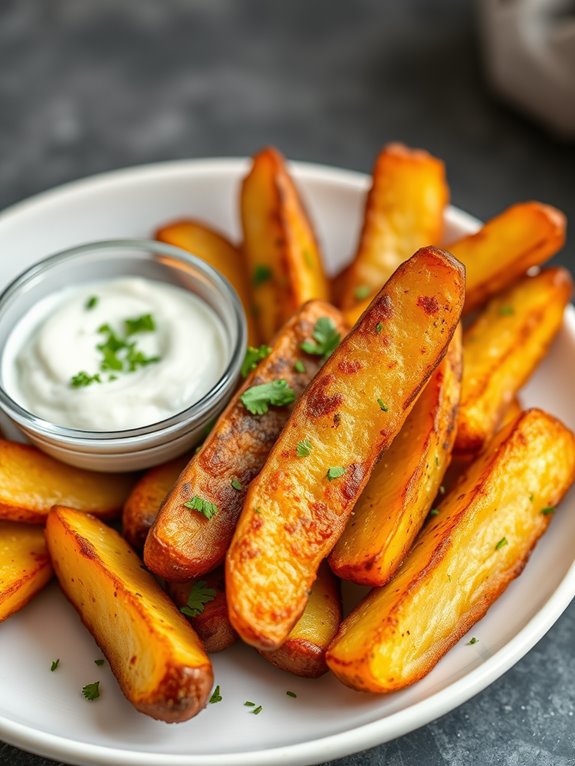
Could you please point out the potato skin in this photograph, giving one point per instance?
(502, 348)
(182, 544)
(403, 212)
(403, 485)
(462, 561)
(211, 246)
(303, 652)
(293, 513)
(152, 650)
(24, 565)
(145, 499)
(212, 625)
(279, 244)
(524, 235)
(31, 482)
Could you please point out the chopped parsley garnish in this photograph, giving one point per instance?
(91, 303)
(236, 484)
(303, 448)
(54, 665)
(216, 696)
(252, 357)
(99, 662)
(82, 379)
(547, 510)
(299, 366)
(501, 543)
(291, 694)
(258, 399)
(383, 407)
(261, 274)
(143, 323)
(434, 512)
(198, 597)
(472, 641)
(335, 472)
(361, 292)
(247, 703)
(204, 507)
(506, 311)
(91, 691)
(257, 710)
(379, 327)
(325, 339)
(531, 498)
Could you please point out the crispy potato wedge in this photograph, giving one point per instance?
(31, 482)
(298, 505)
(153, 651)
(523, 236)
(182, 543)
(504, 248)
(212, 623)
(211, 246)
(502, 348)
(303, 652)
(279, 244)
(24, 565)
(463, 560)
(403, 485)
(145, 499)
(403, 212)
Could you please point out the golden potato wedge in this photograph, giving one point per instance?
(303, 652)
(523, 236)
(204, 604)
(145, 499)
(297, 507)
(403, 485)
(404, 211)
(183, 544)
(463, 560)
(502, 348)
(279, 244)
(211, 246)
(153, 651)
(508, 245)
(31, 482)
(24, 565)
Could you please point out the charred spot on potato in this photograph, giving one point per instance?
(428, 303)
(318, 402)
(349, 366)
(354, 476)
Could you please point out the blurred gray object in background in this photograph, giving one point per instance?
(529, 53)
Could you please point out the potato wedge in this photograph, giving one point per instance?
(211, 246)
(279, 244)
(24, 565)
(502, 348)
(298, 505)
(183, 544)
(153, 651)
(207, 597)
(31, 482)
(145, 499)
(463, 560)
(404, 211)
(303, 652)
(523, 236)
(403, 485)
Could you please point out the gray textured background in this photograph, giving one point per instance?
(88, 85)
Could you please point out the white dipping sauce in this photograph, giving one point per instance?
(59, 337)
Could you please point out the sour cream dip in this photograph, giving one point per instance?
(114, 355)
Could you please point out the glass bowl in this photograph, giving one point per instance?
(134, 448)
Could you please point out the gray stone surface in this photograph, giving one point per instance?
(88, 85)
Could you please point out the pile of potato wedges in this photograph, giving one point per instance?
(376, 437)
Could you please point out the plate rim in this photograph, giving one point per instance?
(352, 740)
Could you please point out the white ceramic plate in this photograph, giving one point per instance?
(45, 712)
